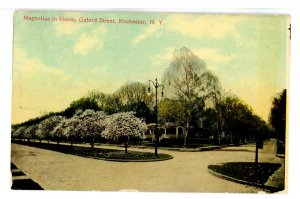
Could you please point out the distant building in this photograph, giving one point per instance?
(167, 131)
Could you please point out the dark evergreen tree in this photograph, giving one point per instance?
(278, 119)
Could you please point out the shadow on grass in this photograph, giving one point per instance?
(247, 173)
(99, 153)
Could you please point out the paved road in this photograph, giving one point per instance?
(186, 172)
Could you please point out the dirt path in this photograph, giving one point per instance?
(186, 172)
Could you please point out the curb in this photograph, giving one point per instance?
(270, 188)
(201, 149)
(181, 149)
(127, 160)
(107, 159)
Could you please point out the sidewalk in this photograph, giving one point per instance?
(277, 179)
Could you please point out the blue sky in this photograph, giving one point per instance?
(55, 62)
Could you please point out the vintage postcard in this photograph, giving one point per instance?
(150, 102)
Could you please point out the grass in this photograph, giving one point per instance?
(99, 153)
(132, 155)
(246, 171)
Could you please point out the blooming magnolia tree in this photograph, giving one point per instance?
(59, 130)
(30, 132)
(124, 125)
(14, 131)
(72, 131)
(19, 132)
(85, 125)
(91, 125)
(46, 126)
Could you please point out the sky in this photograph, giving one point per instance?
(57, 62)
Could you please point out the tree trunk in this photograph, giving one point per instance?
(92, 142)
(186, 135)
(184, 142)
(126, 144)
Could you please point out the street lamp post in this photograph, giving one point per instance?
(156, 85)
(259, 145)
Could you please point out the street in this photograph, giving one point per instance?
(186, 172)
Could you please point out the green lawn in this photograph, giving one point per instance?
(99, 153)
(246, 171)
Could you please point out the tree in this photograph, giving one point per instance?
(130, 97)
(112, 104)
(210, 122)
(98, 97)
(83, 103)
(58, 131)
(30, 132)
(187, 80)
(72, 131)
(19, 132)
(40, 135)
(277, 118)
(36, 120)
(91, 124)
(134, 97)
(134, 92)
(239, 122)
(13, 133)
(142, 111)
(233, 117)
(170, 110)
(124, 125)
(47, 126)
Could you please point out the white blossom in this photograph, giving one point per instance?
(19, 132)
(124, 124)
(30, 132)
(59, 130)
(46, 126)
(87, 124)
